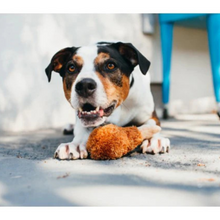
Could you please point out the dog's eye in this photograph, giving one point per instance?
(110, 66)
(71, 68)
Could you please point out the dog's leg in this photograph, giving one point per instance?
(75, 149)
(157, 144)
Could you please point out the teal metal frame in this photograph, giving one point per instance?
(209, 21)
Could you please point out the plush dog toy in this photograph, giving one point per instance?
(111, 142)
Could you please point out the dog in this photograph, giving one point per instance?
(106, 82)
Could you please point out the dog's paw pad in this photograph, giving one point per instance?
(66, 151)
(156, 145)
(70, 152)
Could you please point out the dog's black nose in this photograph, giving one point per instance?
(86, 87)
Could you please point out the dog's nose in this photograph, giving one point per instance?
(86, 87)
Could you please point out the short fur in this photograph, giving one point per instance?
(120, 95)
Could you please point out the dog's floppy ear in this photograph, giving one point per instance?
(58, 61)
(134, 56)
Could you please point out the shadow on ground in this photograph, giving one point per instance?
(188, 175)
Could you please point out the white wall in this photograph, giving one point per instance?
(191, 82)
(27, 42)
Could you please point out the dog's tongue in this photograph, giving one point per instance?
(101, 112)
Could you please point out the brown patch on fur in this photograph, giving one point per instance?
(114, 92)
(124, 90)
(67, 92)
(57, 65)
(101, 58)
(155, 118)
(67, 85)
(115, 76)
(59, 58)
(78, 60)
(69, 79)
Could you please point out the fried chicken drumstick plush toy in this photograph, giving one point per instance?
(111, 142)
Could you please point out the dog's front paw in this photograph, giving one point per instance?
(70, 151)
(156, 145)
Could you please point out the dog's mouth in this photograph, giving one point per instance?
(90, 113)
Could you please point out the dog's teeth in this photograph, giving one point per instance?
(93, 112)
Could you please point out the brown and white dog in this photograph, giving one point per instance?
(104, 84)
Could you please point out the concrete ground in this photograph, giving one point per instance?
(188, 176)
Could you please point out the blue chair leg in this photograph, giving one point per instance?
(213, 27)
(166, 32)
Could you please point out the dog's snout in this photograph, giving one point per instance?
(86, 87)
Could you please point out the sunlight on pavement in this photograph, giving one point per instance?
(3, 191)
(132, 196)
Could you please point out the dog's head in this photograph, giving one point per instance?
(96, 78)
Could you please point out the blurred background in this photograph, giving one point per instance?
(28, 42)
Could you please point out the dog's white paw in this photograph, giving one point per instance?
(70, 151)
(156, 145)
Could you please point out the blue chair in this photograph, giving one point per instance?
(209, 21)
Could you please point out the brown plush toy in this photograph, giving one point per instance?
(111, 142)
